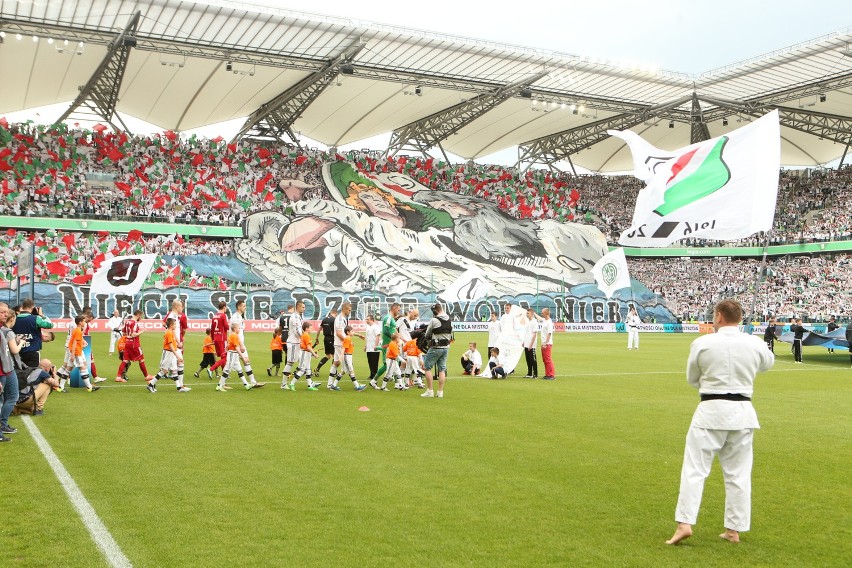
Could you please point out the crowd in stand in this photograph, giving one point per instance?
(75, 257)
(810, 287)
(812, 206)
(814, 287)
(60, 171)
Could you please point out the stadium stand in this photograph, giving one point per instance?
(74, 257)
(68, 172)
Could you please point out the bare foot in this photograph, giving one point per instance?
(682, 532)
(730, 535)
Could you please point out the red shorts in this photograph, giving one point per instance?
(133, 352)
(220, 348)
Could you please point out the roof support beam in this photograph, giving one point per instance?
(274, 119)
(100, 94)
(699, 131)
(812, 89)
(556, 147)
(828, 126)
(426, 133)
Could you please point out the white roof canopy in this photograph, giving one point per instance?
(195, 64)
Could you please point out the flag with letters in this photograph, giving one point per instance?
(122, 275)
(723, 188)
(611, 273)
(470, 286)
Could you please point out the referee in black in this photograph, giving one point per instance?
(327, 327)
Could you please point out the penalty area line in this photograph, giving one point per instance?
(102, 537)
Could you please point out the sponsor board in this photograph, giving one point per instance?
(269, 325)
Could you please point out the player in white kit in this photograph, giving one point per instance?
(240, 319)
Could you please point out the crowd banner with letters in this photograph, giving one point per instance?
(723, 188)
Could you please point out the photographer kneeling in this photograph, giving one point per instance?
(438, 335)
(35, 385)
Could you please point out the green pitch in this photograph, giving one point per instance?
(580, 471)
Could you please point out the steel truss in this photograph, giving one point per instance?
(274, 119)
(426, 133)
(100, 94)
(827, 126)
(553, 148)
(698, 131)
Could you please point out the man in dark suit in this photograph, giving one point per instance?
(798, 335)
(849, 338)
(832, 325)
(770, 334)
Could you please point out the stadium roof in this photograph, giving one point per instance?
(191, 64)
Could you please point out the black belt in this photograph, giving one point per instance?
(725, 396)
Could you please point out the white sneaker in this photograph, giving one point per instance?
(184, 389)
(440, 394)
(98, 380)
(428, 394)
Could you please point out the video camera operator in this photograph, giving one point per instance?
(439, 335)
(28, 325)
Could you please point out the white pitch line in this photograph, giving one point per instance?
(94, 525)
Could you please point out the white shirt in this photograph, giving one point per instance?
(633, 320)
(403, 327)
(474, 357)
(70, 326)
(115, 323)
(547, 332)
(238, 319)
(506, 323)
(176, 316)
(294, 334)
(340, 323)
(493, 332)
(531, 334)
(726, 362)
(371, 337)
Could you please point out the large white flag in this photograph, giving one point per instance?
(122, 275)
(611, 273)
(471, 285)
(722, 188)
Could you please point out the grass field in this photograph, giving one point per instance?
(579, 471)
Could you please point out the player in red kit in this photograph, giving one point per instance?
(219, 332)
(133, 346)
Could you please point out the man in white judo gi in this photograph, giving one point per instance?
(722, 366)
(633, 321)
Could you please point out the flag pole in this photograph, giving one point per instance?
(757, 281)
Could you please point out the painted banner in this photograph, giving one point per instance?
(581, 304)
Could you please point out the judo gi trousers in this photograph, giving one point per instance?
(734, 448)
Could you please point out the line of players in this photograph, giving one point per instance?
(224, 349)
(400, 350)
